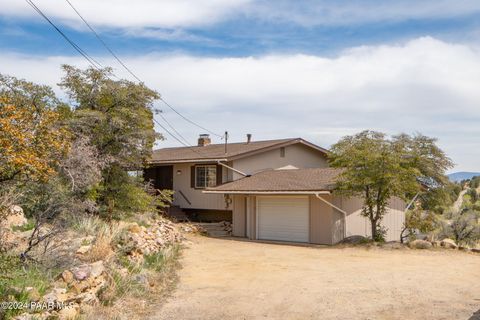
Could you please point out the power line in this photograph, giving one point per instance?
(133, 74)
(103, 42)
(172, 127)
(91, 60)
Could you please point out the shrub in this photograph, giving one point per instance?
(15, 277)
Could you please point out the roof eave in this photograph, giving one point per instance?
(268, 192)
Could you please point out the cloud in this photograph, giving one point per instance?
(129, 14)
(174, 14)
(341, 13)
(424, 85)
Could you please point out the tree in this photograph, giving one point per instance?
(117, 119)
(32, 137)
(417, 220)
(378, 168)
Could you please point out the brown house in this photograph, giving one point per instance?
(270, 190)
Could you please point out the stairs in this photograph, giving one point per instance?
(216, 229)
(177, 213)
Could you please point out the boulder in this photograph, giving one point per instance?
(81, 272)
(355, 240)
(15, 218)
(476, 250)
(419, 244)
(67, 276)
(448, 244)
(96, 269)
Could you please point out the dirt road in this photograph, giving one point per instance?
(231, 279)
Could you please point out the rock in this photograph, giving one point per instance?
(68, 313)
(96, 269)
(87, 298)
(419, 244)
(84, 249)
(15, 218)
(476, 250)
(354, 240)
(56, 295)
(67, 276)
(82, 272)
(448, 244)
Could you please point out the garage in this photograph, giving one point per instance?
(283, 218)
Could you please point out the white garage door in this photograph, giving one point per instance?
(283, 218)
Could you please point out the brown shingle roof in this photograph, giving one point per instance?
(296, 180)
(217, 151)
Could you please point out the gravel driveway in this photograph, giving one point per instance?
(232, 279)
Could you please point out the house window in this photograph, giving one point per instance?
(282, 152)
(205, 176)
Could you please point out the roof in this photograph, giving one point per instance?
(282, 181)
(216, 152)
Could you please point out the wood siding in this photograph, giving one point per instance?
(239, 216)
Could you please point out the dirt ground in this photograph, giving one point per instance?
(232, 279)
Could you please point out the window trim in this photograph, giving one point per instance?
(206, 184)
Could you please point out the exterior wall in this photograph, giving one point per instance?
(359, 225)
(199, 200)
(296, 155)
(239, 216)
(327, 224)
(320, 221)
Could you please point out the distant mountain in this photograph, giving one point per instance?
(459, 176)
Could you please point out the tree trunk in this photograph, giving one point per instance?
(373, 224)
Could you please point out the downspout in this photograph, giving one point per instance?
(411, 202)
(233, 169)
(340, 210)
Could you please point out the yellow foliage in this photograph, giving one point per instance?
(32, 141)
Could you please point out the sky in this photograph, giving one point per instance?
(319, 70)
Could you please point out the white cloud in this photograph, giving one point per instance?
(325, 12)
(424, 85)
(129, 14)
(173, 14)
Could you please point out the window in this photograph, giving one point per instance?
(205, 176)
(282, 152)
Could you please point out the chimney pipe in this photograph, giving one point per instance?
(249, 137)
(204, 140)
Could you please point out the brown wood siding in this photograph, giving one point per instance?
(239, 216)
(321, 220)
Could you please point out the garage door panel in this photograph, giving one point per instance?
(284, 219)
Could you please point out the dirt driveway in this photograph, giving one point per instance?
(231, 279)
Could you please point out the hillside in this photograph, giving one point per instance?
(459, 176)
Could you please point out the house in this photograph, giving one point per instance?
(270, 190)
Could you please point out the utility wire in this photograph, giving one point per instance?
(91, 60)
(103, 42)
(172, 127)
(99, 38)
(97, 65)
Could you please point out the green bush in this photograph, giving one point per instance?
(15, 277)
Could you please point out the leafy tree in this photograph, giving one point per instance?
(32, 138)
(378, 168)
(117, 119)
(418, 220)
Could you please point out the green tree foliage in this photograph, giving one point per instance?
(418, 220)
(116, 118)
(378, 168)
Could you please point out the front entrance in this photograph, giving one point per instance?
(161, 177)
(283, 218)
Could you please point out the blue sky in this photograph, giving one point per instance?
(315, 69)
